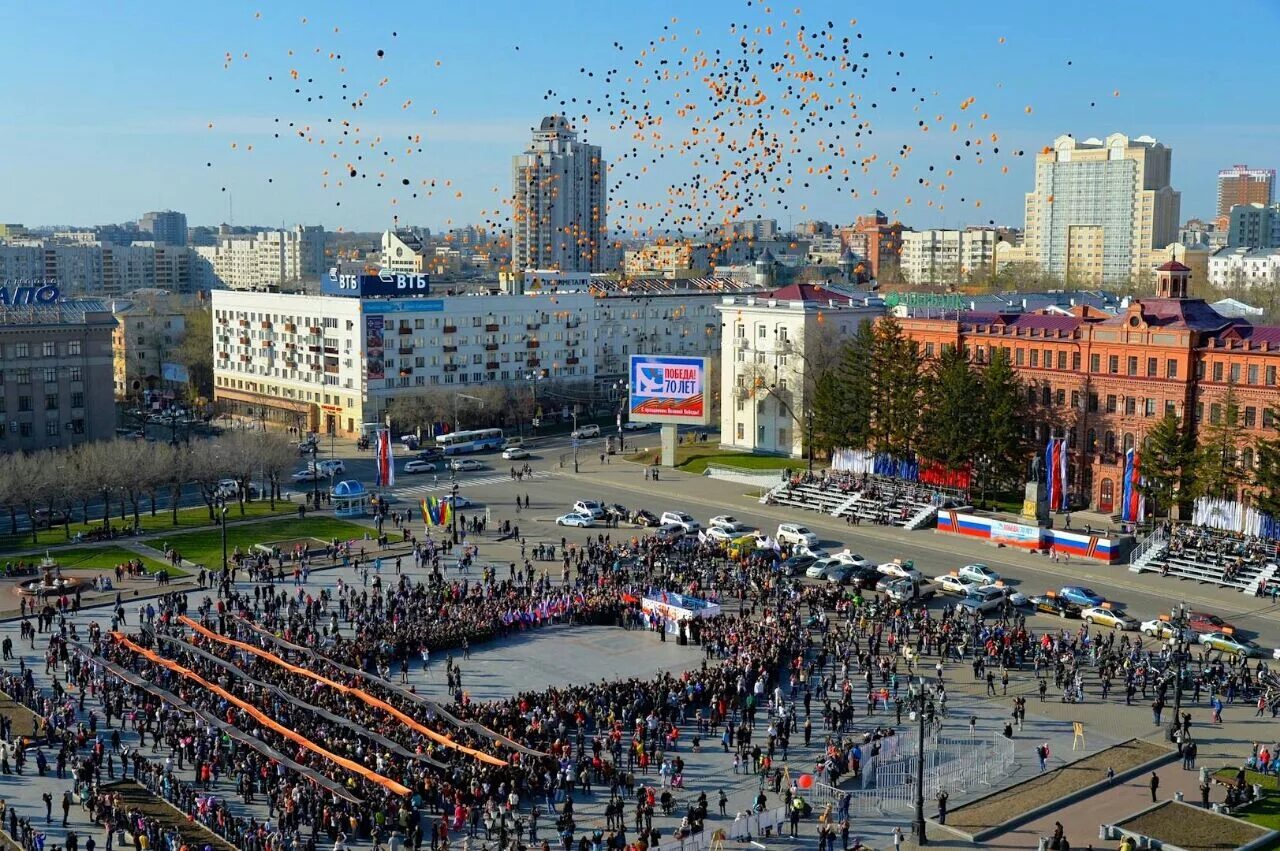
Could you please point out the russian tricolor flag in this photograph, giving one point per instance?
(386, 464)
(1132, 506)
(1055, 473)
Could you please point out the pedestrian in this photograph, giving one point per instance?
(1042, 754)
(942, 807)
(1155, 785)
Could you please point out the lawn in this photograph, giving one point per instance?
(694, 458)
(106, 558)
(188, 518)
(1192, 828)
(1266, 812)
(1008, 804)
(206, 547)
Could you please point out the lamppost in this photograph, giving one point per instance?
(315, 478)
(918, 825)
(222, 504)
(1178, 643)
(453, 503)
(575, 437)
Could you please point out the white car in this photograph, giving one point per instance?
(954, 584)
(634, 426)
(979, 574)
(227, 488)
(794, 533)
(463, 464)
(515, 453)
(818, 569)
(331, 466)
(679, 518)
(1157, 628)
(850, 557)
(720, 534)
(734, 530)
(575, 519)
(898, 569)
(816, 552)
(306, 476)
(589, 507)
(723, 520)
(460, 502)
(419, 466)
(1107, 616)
(590, 430)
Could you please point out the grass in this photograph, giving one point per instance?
(694, 458)
(192, 832)
(106, 558)
(23, 719)
(1264, 812)
(1192, 828)
(188, 518)
(206, 547)
(1008, 804)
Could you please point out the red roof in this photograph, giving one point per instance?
(808, 292)
(1173, 266)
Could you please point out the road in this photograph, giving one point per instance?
(555, 489)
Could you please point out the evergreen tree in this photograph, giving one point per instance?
(1002, 446)
(1267, 473)
(1217, 472)
(842, 404)
(950, 423)
(1168, 463)
(896, 380)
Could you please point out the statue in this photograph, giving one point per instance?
(1037, 467)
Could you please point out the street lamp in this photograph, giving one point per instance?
(222, 503)
(1178, 619)
(315, 478)
(918, 825)
(453, 505)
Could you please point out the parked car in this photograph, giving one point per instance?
(515, 453)
(43, 518)
(983, 600)
(721, 535)
(795, 565)
(900, 569)
(1225, 642)
(794, 533)
(853, 558)
(866, 576)
(954, 584)
(669, 532)
(462, 465)
(419, 466)
(629, 425)
(732, 529)
(1052, 604)
(723, 520)
(979, 574)
(1081, 596)
(818, 569)
(589, 507)
(1205, 622)
(409, 441)
(432, 453)
(585, 431)
(910, 591)
(1161, 628)
(1105, 615)
(641, 517)
(816, 552)
(681, 519)
(307, 475)
(617, 512)
(331, 466)
(575, 519)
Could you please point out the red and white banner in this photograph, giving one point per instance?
(386, 464)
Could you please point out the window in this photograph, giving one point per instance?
(1215, 413)
(51, 428)
(1109, 441)
(1113, 364)
(1132, 365)
(50, 375)
(1149, 408)
(1093, 403)
(1253, 373)
(23, 376)
(21, 350)
(1075, 399)
(24, 403)
(1018, 357)
(1127, 442)
(1271, 376)
(1075, 361)
(761, 332)
(1045, 396)
(1250, 416)
(1171, 368)
(1035, 357)
(1217, 371)
(1199, 412)
(73, 348)
(782, 437)
(1153, 367)
(1268, 417)
(1170, 407)
(1062, 360)
(1060, 397)
(740, 429)
(928, 350)
(1235, 373)
(49, 349)
(1111, 403)
(1130, 405)
(24, 429)
(1095, 363)
(1091, 441)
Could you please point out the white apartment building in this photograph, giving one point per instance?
(403, 251)
(280, 258)
(1248, 267)
(99, 269)
(941, 256)
(559, 197)
(767, 344)
(337, 361)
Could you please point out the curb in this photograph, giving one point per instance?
(1064, 801)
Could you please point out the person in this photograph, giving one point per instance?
(942, 807)
(1059, 836)
(1204, 793)
(1155, 785)
(1042, 754)
(1127, 844)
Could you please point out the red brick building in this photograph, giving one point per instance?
(875, 238)
(1105, 380)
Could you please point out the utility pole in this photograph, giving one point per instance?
(918, 825)
(1178, 620)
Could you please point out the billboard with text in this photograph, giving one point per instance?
(668, 389)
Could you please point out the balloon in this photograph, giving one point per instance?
(805, 781)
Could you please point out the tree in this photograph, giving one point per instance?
(1217, 472)
(277, 456)
(950, 425)
(195, 352)
(1168, 463)
(1002, 448)
(242, 458)
(896, 368)
(1266, 475)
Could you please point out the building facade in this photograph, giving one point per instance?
(167, 227)
(268, 259)
(671, 258)
(150, 325)
(1254, 226)
(1099, 208)
(1243, 185)
(559, 202)
(768, 344)
(940, 256)
(1103, 380)
(100, 270)
(55, 389)
(1245, 267)
(877, 239)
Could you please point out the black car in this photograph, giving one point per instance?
(865, 577)
(616, 512)
(1054, 606)
(644, 518)
(432, 454)
(795, 566)
(43, 518)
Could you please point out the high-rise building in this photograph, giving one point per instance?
(1100, 207)
(559, 195)
(940, 256)
(1255, 225)
(1243, 185)
(759, 230)
(270, 259)
(166, 227)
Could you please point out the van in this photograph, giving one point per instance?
(743, 547)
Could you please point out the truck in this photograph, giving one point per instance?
(911, 590)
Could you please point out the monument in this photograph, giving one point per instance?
(1035, 502)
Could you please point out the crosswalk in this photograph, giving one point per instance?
(445, 485)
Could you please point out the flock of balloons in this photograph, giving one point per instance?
(753, 128)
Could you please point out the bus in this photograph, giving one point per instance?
(460, 442)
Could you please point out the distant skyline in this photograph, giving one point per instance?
(109, 105)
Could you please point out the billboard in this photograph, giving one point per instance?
(365, 285)
(668, 389)
(373, 348)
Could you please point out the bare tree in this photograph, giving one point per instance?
(242, 453)
(10, 489)
(277, 455)
(209, 463)
(176, 464)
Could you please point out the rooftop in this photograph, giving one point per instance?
(69, 312)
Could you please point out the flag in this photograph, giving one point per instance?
(386, 463)
(1055, 473)
(446, 512)
(426, 513)
(1132, 506)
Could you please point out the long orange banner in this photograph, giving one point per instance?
(367, 698)
(349, 765)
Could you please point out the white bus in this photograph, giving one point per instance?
(460, 442)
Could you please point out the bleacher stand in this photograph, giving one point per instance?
(1230, 559)
(862, 497)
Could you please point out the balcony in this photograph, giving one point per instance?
(450, 348)
(406, 371)
(450, 329)
(573, 323)
(491, 328)
(571, 361)
(405, 350)
(404, 329)
(742, 343)
(491, 365)
(532, 362)
(291, 328)
(332, 370)
(243, 323)
(316, 330)
(244, 341)
(532, 344)
(533, 327)
(266, 326)
(450, 367)
(490, 347)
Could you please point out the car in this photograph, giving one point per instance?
(431, 454)
(617, 511)
(853, 558)
(43, 518)
(419, 466)
(865, 576)
(795, 565)
(1205, 622)
(589, 430)
(1052, 604)
(899, 569)
(459, 501)
(979, 574)
(841, 573)
(1081, 596)
(794, 533)
(1225, 642)
(575, 519)
(462, 465)
(1104, 615)
(954, 584)
(331, 466)
(816, 552)
(306, 447)
(227, 489)
(1162, 628)
(513, 443)
(589, 507)
(983, 600)
(515, 453)
(723, 520)
(818, 569)
(641, 517)
(409, 441)
(681, 519)
(733, 529)
(720, 535)
(631, 425)
(669, 532)
(307, 475)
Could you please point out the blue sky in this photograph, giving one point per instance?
(108, 105)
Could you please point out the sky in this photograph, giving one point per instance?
(114, 109)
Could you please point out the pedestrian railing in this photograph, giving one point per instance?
(1147, 551)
